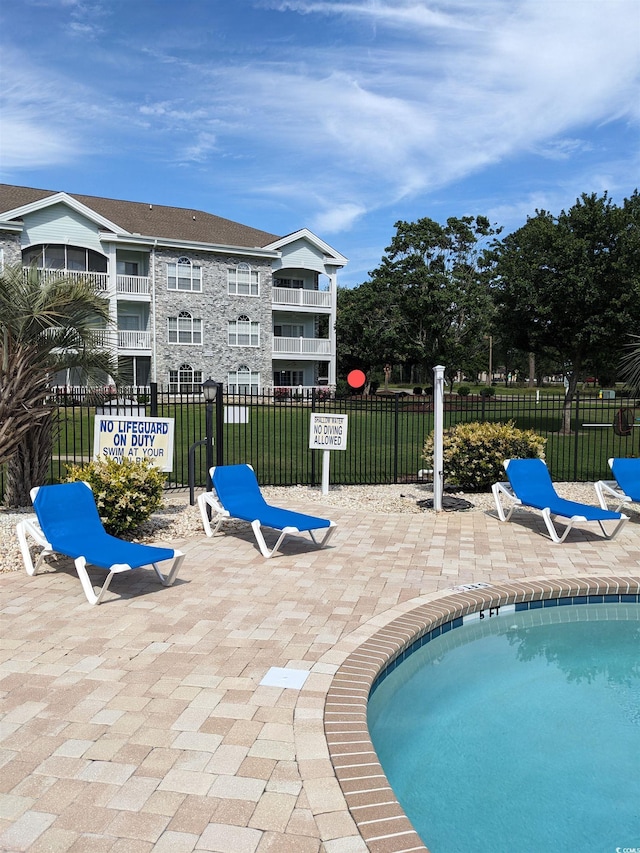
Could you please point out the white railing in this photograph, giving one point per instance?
(99, 279)
(134, 340)
(299, 297)
(302, 346)
(135, 285)
(103, 337)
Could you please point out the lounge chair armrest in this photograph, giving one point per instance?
(208, 502)
(610, 489)
(504, 489)
(30, 526)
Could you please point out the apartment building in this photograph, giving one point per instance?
(191, 294)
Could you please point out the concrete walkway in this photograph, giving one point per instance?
(141, 724)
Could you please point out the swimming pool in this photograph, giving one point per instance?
(379, 817)
(518, 733)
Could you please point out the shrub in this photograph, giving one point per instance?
(464, 391)
(488, 391)
(474, 452)
(342, 389)
(417, 390)
(126, 492)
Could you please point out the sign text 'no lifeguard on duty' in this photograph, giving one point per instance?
(134, 438)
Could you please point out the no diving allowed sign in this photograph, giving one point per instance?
(328, 432)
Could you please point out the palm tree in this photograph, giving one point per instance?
(46, 324)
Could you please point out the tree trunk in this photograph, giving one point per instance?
(565, 429)
(29, 466)
(532, 369)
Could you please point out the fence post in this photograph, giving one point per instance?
(313, 453)
(395, 438)
(438, 430)
(576, 437)
(154, 399)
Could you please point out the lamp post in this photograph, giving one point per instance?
(490, 337)
(213, 394)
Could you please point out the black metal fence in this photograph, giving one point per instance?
(386, 433)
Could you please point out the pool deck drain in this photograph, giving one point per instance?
(142, 724)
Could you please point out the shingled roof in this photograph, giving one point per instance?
(151, 220)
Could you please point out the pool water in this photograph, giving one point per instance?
(519, 733)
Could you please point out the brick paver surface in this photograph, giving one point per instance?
(141, 724)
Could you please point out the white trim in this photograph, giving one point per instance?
(74, 204)
(193, 245)
(332, 257)
(11, 226)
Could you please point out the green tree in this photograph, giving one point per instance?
(46, 324)
(568, 287)
(369, 328)
(427, 302)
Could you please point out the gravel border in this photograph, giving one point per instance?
(177, 520)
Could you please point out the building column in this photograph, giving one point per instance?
(333, 289)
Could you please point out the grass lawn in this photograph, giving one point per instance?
(385, 437)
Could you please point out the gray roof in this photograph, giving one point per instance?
(151, 220)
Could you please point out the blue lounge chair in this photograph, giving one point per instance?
(237, 495)
(530, 486)
(625, 488)
(68, 523)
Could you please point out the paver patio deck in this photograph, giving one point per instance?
(141, 724)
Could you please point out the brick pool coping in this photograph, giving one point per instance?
(377, 813)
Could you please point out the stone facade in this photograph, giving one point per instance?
(215, 307)
(10, 252)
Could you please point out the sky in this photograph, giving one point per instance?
(341, 116)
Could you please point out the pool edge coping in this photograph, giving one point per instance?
(378, 815)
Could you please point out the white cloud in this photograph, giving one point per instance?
(340, 217)
(24, 145)
(416, 97)
(35, 112)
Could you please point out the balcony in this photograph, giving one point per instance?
(298, 297)
(302, 346)
(99, 279)
(133, 285)
(134, 340)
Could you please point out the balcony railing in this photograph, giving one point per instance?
(133, 285)
(100, 279)
(134, 340)
(301, 346)
(298, 297)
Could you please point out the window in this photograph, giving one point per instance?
(288, 378)
(183, 275)
(288, 330)
(185, 380)
(288, 282)
(64, 257)
(183, 329)
(243, 381)
(243, 281)
(244, 333)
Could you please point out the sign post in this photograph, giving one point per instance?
(327, 433)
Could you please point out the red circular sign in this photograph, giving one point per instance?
(356, 379)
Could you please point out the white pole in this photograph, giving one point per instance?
(438, 422)
(326, 459)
